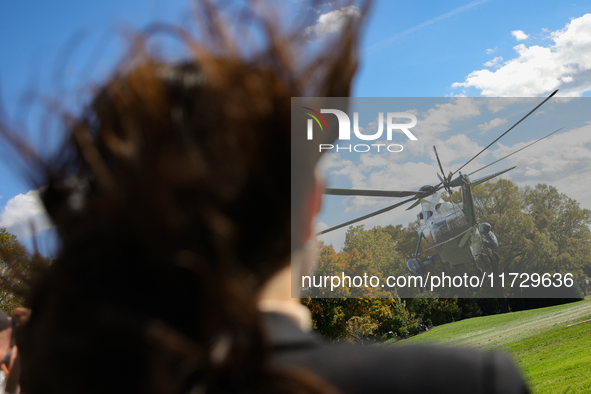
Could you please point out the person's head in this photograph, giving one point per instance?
(170, 199)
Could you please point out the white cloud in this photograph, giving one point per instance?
(332, 22)
(562, 160)
(496, 104)
(457, 147)
(332, 160)
(461, 94)
(494, 62)
(538, 70)
(491, 125)
(438, 119)
(519, 35)
(23, 210)
(489, 51)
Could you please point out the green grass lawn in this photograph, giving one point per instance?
(553, 357)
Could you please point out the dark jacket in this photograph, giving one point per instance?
(393, 369)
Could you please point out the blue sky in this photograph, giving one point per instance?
(409, 49)
(421, 48)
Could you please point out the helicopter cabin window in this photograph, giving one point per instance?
(427, 211)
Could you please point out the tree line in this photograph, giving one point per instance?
(539, 230)
(15, 266)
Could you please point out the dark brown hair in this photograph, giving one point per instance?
(169, 197)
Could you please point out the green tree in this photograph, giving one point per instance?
(564, 224)
(366, 252)
(375, 245)
(405, 239)
(330, 316)
(14, 269)
(436, 310)
(360, 328)
(539, 229)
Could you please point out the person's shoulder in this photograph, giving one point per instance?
(400, 368)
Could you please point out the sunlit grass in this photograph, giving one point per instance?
(554, 358)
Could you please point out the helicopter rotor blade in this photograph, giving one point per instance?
(439, 162)
(519, 150)
(370, 193)
(512, 127)
(440, 178)
(366, 216)
(445, 180)
(489, 177)
(413, 205)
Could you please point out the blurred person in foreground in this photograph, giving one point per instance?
(6, 347)
(9, 364)
(170, 198)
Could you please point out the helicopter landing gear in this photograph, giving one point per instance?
(487, 262)
(491, 261)
(419, 267)
(478, 268)
(494, 260)
(416, 266)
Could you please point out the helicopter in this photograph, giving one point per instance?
(448, 232)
